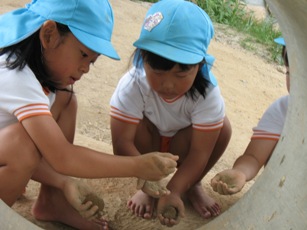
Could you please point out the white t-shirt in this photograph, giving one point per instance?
(21, 95)
(133, 98)
(272, 122)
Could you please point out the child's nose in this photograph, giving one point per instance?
(85, 68)
(167, 84)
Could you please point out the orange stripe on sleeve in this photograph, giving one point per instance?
(209, 127)
(33, 115)
(117, 114)
(32, 110)
(259, 134)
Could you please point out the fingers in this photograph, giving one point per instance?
(223, 189)
(219, 185)
(169, 222)
(92, 206)
(155, 189)
(95, 200)
(89, 211)
(167, 166)
(171, 215)
(172, 157)
(215, 182)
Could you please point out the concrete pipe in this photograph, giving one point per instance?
(277, 198)
(10, 220)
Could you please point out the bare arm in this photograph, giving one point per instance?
(192, 168)
(123, 135)
(255, 157)
(190, 172)
(78, 161)
(245, 168)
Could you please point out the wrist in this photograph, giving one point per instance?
(242, 173)
(175, 191)
(135, 166)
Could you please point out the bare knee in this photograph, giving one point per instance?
(18, 151)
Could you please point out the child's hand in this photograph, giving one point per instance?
(79, 195)
(170, 209)
(156, 165)
(228, 182)
(152, 188)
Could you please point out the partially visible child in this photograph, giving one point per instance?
(170, 101)
(261, 146)
(44, 49)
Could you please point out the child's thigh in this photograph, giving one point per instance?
(147, 137)
(17, 148)
(181, 142)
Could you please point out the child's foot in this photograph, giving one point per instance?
(202, 203)
(142, 205)
(51, 205)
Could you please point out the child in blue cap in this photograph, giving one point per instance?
(170, 102)
(44, 49)
(263, 141)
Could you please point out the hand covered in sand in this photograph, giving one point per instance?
(156, 165)
(228, 182)
(154, 189)
(170, 209)
(79, 195)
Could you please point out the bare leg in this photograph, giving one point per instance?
(61, 199)
(19, 159)
(201, 201)
(147, 140)
(54, 203)
(51, 205)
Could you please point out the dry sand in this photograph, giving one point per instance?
(247, 81)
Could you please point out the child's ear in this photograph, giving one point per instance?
(49, 35)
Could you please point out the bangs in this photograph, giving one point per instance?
(160, 63)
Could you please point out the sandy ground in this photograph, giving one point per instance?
(247, 81)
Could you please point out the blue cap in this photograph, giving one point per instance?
(280, 41)
(91, 21)
(180, 31)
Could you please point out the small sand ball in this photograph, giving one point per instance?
(95, 200)
(170, 212)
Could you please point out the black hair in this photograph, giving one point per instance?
(200, 84)
(29, 52)
(285, 56)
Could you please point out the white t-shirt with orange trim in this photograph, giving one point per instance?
(133, 98)
(272, 122)
(21, 95)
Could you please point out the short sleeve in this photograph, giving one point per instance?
(208, 114)
(272, 122)
(127, 102)
(21, 95)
